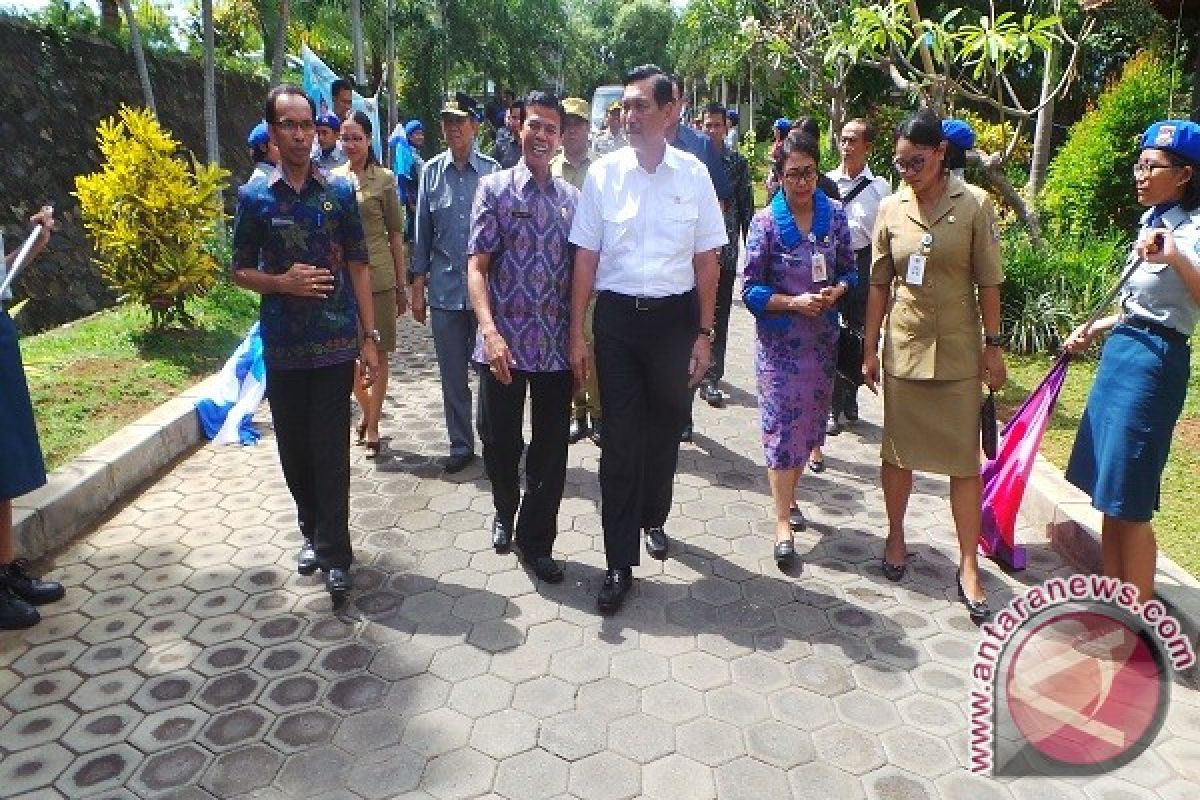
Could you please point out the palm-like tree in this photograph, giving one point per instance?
(139, 56)
(210, 84)
(285, 11)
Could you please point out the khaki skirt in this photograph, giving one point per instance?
(385, 319)
(932, 426)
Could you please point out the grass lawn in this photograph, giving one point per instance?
(1177, 528)
(90, 378)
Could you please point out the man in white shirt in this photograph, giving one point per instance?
(648, 228)
(861, 191)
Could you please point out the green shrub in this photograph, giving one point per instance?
(151, 215)
(1088, 185)
(1048, 292)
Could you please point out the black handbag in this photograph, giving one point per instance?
(987, 425)
(849, 353)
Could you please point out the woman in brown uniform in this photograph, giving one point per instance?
(383, 223)
(935, 273)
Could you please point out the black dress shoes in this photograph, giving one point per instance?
(546, 568)
(616, 586)
(785, 552)
(594, 435)
(502, 535)
(978, 609)
(30, 588)
(796, 520)
(893, 572)
(656, 543)
(686, 434)
(338, 583)
(306, 559)
(712, 395)
(579, 429)
(15, 613)
(456, 462)
(832, 427)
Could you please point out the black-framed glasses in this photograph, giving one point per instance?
(293, 125)
(806, 175)
(1144, 169)
(909, 165)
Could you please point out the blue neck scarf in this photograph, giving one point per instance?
(789, 232)
(1159, 211)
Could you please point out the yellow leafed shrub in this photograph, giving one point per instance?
(150, 213)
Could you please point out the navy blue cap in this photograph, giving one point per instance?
(462, 105)
(958, 133)
(258, 137)
(1178, 136)
(329, 121)
(783, 125)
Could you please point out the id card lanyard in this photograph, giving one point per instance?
(915, 274)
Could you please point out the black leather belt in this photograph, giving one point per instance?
(1170, 334)
(647, 303)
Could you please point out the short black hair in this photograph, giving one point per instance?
(715, 108)
(924, 127)
(278, 92)
(867, 126)
(545, 100)
(797, 141)
(808, 125)
(519, 105)
(662, 89)
(361, 119)
(339, 86)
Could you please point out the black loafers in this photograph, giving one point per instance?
(15, 613)
(546, 568)
(893, 572)
(306, 559)
(686, 434)
(796, 520)
(30, 588)
(579, 429)
(616, 586)
(785, 552)
(656, 543)
(457, 462)
(502, 535)
(338, 583)
(595, 434)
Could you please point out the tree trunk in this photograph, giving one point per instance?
(210, 84)
(993, 167)
(110, 16)
(390, 49)
(356, 40)
(139, 56)
(1045, 124)
(280, 49)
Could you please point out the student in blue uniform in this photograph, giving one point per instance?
(21, 467)
(1125, 432)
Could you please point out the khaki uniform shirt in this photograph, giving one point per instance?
(571, 173)
(933, 328)
(379, 206)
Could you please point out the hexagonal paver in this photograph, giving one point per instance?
(605, 776)
(168, 771)
(356, 693)
(168, 728)
(573, 735)
(866, 710)
(533, 774)
(301, 730)
(99, 771)
(233, 689)
(709, 741)
(31, 770)
(386, 773)
(316, 770)
(436, 732)
(99, 729)
(700, 670)
(504, 734)
(459, 773)
(824, 780)
(544, 697)
(750, 779)
(641, 737)
(782, 745)
(230, 729)
(673, 702)
(480, 696)
(849, 748)
(677, 776)
(918, 752)
(737, 706)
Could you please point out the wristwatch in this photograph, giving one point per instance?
(373, 335)
(993, 341)
(708, 333)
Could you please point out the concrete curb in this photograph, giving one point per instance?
(79, 494)
(1066, 517)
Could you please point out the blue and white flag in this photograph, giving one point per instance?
(227, 415)
(318, 85)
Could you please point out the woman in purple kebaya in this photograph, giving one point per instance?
(798, 265)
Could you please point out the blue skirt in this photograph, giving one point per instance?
(1125, 434)
(21, 467)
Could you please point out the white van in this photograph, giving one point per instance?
(602, 98)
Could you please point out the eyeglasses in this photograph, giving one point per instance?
(907, 165)
(1143, 169)
(806, 175)
(293, 125)
(352, 139)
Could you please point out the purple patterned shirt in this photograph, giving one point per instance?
(524, 228)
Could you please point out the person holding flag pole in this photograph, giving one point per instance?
(21, 469)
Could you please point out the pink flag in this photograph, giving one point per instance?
(1005, 477)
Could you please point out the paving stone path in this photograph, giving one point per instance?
(190, 661)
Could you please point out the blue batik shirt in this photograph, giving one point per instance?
(277, 227)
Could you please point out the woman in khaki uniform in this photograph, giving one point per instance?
(936, 274)
(383, 224)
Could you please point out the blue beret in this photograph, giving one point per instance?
(783, 124)
(412, 126)
(958, 133)
(329, 121)
(258, 137)
(732, 116)
(1178, 136)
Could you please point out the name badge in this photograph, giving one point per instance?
(916, 270)
(520, 213)
(819, 273)
(282, 222)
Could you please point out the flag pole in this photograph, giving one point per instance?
(21, 259)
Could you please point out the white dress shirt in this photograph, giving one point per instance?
(861, 211)
(648, 226)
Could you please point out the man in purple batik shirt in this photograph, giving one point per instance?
(519, 280)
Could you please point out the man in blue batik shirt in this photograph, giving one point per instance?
(298, 241)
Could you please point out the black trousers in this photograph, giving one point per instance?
(644, 397)
(310, 409)
(716, 370)
(501, 410)
(854, 308)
